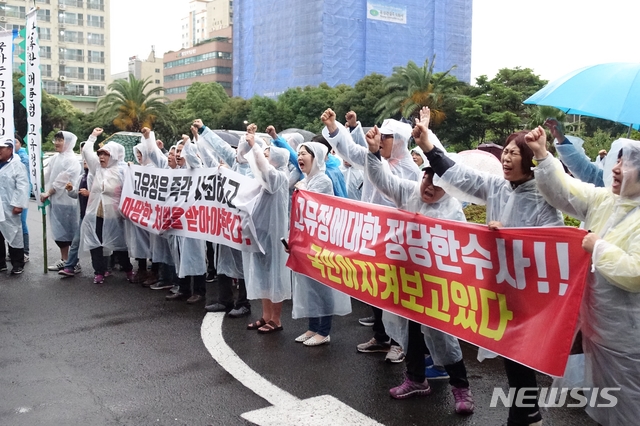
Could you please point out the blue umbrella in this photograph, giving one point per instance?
(610, 91)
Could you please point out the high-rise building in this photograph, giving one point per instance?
(74, 45)
(278, 44)
(205, 20)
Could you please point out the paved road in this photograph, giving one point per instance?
(74, 353)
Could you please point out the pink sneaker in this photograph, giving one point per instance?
(107, 274)
(131, 276)
(464, 400)
(98, 279)
(410, 388)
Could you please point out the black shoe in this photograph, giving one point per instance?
(216, 307)
(176, 296)
(367, 322)
(17, 271)
(3, 268)
(211, 277)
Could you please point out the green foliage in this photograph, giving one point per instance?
(475, 213)
(361, 99)
(233, 114)
(571, 221)
(130, 106)
(204, 100)
(593, 144)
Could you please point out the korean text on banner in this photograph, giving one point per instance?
(32, 103)
(515, 292)
(6, 84)
(194, 203)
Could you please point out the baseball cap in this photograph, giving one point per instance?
(6, 142)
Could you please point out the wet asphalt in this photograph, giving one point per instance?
(76, 353)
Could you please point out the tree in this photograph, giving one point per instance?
(233, 114)
(362, 99)
(56, 113)
(130, 106)
(412, 87)
(204, 100)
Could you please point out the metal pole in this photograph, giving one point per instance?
(629, 131)
(44, 220)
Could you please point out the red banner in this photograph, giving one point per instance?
(515, 292)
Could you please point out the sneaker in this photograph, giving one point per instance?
(428, 361)
(242, 311)
(150, 280)
(464, 400)
(98, 279)
(57, 266)
(216, 307)
(16, 271)
(131, 276)
(410, 388)
(436, 373)
(161, 285)
(211, 277)
(26, 258)
(367, 322)
(175, 289)
(137, 277)
(107, 274)
(3, 268)
(395, 355)
(373, 346)
(67, 272)
(77, 269)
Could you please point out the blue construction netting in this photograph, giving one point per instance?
(279, 44)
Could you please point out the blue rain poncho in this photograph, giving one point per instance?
(63, 168)
(610, 311)
(14, 182)
(312, 299)
(104, 199)
(266, 275)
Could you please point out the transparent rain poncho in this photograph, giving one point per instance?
(104, 199)
(266, 275)
(400, 163)
(189, 254)
(353, 179)
(138, 239)
(14, 182)
(610, 311)
(443, 347)
(63, 168)
(312, 299)
(425, 162)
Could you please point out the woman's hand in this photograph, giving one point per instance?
(589, 242)
(69, 186)
(494, 225)
(84, 192)
(373, 139)
(328, 117)
(420, 134)
(537, 141)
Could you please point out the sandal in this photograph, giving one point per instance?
(256, 324)
(270, 327)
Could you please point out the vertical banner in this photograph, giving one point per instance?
(6, 84)
(32, 102)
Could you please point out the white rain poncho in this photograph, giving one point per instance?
(189, 253)
(158, 244)
(610, 311)
(14, 182)
(406, 195)
(312, 299)
(425, 162)
(353, 179)
(104, 199)
(400, 164)
(293, 139)
(63, 168)
(138, 239)
(266, 275)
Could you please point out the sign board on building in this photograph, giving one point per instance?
(385, 12)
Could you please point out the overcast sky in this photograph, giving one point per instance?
(553, 37)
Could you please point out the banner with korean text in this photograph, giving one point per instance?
(213, 204)
(515, 291)
(32, 101)
(7, 128)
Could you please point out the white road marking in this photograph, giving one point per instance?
(286, 409)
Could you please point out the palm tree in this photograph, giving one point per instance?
(412, 87)
(130, 107)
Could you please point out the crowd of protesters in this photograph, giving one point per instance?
(376, 167)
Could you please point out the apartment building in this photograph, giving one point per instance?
(74, 45)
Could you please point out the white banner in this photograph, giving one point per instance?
(33, 102)
(213, 204)
(7, 128)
